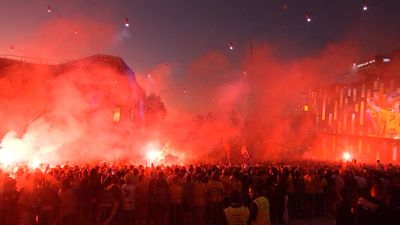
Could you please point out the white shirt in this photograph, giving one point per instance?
(128, 195)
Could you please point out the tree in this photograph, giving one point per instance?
(154, 108)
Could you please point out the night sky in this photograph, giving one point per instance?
(180, 30)
(241, 65)
(176, 33)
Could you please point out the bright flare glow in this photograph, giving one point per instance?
(154, 155)
(28, 149)
(346, 156)
(8, 157)
(153, 152)
(35, 163)
(48, 9)
(365, 8)
(12, 149)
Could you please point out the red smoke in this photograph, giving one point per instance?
(214, 106)
(254, 107)
(62, 38)
(65, 112)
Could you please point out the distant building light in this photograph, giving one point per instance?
(366, 63)
(116, 115)
(386, 60)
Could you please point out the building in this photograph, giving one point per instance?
(379, 67)
(361, 117)
(98, 88)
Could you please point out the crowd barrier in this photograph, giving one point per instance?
(297, 205)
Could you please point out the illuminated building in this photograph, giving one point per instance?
(104, 86)
(361, 117)
(380, 67)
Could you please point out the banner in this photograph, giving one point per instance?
(245, 154)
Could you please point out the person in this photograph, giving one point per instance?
(370, 210)
(67, 202)
(176, 201)
(188, 201)
(344, 215)
(48, 201)
(27, 201)
(199, 200)
(8, 203)
(259, 208)
(236, 213)
(320, 185)
(128, 195)
(115, 215)
(215, 191)
(141, 200)
(158, 199)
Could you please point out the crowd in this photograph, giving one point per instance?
(268, 193)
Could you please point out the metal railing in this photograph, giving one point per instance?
(149, 212)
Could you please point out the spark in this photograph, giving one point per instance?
(231, 46)
(308, 18)
(126, 22)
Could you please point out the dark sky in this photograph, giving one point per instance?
(178, 31)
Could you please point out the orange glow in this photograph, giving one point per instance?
(12, 150)
(15, 150)
(153, 152)
(154, 155)
(116, 115)
(35, 163)
(305, 108)
(346, 156)
(8, 157)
